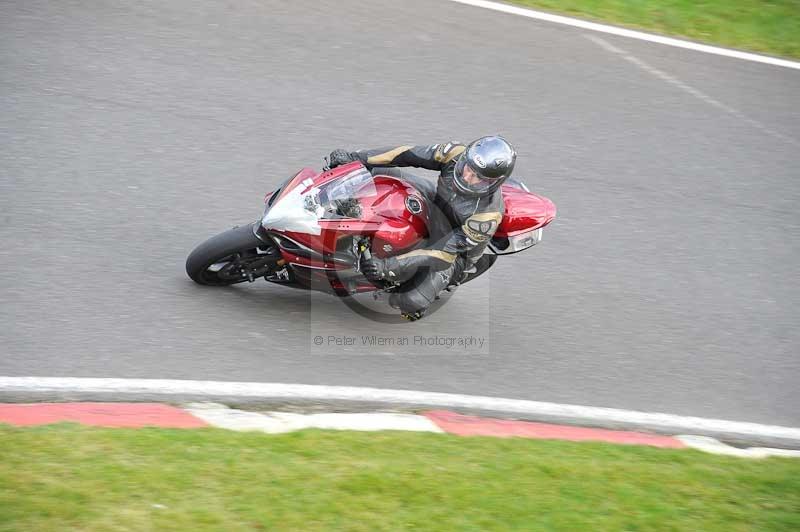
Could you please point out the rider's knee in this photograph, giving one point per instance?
(421, 292)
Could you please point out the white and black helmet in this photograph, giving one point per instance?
(491, 159)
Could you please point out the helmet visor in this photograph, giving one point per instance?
(468, 178)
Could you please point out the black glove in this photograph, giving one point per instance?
(340, 157)
(377, 269)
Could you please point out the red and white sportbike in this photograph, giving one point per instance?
(318, 226)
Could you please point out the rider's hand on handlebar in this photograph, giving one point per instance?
(339, 157)
(376, 269)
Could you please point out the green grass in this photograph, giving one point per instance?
(67, 477)
(769, 26)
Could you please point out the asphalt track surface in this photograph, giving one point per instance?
(131, 132)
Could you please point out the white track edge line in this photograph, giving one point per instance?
(680, 424)
(714, 446)
(632, 34)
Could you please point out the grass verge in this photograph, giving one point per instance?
(68, 477)
(768, 26)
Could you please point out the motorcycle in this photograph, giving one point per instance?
(317, 227)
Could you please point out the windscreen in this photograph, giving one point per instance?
(301, 208)
(340, 198)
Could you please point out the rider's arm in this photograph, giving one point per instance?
(470, 239)
(432, 157)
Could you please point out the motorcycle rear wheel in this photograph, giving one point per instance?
(481, 266)
(232, 257)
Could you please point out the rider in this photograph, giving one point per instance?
(468, 194)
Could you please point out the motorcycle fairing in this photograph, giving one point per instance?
(320, 212)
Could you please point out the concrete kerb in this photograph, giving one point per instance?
(199, 415)
(343, 398)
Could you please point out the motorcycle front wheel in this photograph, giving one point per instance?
(235, 256)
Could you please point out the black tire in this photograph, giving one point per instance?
(481, 266)
(241, 253)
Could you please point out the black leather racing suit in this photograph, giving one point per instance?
(466, 223)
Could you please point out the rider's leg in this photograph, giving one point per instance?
(419, 292)
(415, 296)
